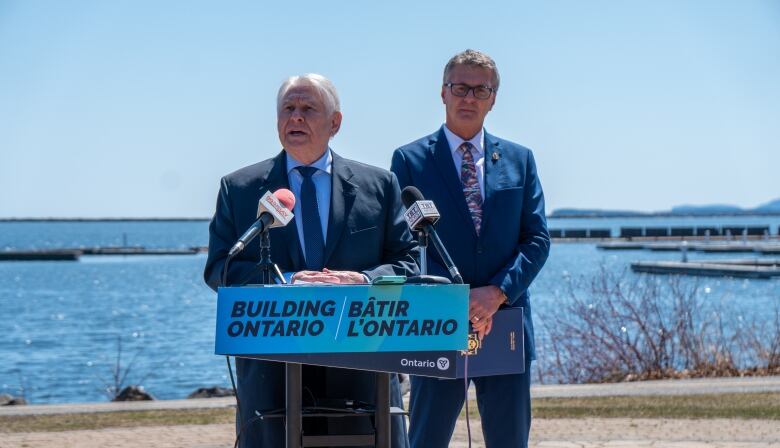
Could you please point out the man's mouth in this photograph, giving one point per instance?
(296, 133)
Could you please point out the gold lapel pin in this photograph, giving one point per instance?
(495, 156)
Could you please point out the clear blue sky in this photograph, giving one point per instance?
(137, 108)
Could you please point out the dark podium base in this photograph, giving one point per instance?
(295, 413)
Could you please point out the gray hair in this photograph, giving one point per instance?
(322, 84)
(473, 58)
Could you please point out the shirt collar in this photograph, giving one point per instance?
(324, 163)
(478, 141)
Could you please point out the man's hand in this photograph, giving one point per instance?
(347, 277)
(314, 277)
(483, 303)
(328, 276)
(483, 327)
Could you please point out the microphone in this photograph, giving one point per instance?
(273, 210)
(421, 215)
(418, 211)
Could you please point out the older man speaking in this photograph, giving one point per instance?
(348, 228)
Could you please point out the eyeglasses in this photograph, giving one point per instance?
(480, 92)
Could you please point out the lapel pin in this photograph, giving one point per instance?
(495, 156)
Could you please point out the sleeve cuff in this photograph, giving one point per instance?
(287, 277)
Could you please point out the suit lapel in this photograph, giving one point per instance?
(442, 156)
(495, 172)
(274, 180)
(342, 197)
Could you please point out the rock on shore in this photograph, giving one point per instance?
(10, 400)
(133, 393)
(211, 392)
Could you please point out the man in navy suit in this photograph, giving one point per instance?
(493, 224)
(348, 228)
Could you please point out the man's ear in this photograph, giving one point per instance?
(335, 123)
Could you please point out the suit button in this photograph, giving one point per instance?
(479, 248)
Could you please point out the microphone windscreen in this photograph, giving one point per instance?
(286, 197)
(410, 195)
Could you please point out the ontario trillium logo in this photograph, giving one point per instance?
(443, 363)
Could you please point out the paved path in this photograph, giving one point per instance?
(545, 433)
(78, 408)
(625, 433)
(695, 386)
(661, 387)
(552, 433)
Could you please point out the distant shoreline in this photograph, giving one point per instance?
(661, 215)
(102, 219)
(551, 216)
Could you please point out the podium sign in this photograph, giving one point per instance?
(500, 353)
(311, 319)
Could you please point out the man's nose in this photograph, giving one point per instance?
(470, 97)
(297, 115)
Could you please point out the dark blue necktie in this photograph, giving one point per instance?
(312, 227)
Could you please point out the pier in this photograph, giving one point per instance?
(757, 247)
(670, 233)
(75, 254)
(40, 255)
(757, 269)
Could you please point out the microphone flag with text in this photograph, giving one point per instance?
(273, 210)
(421, 215)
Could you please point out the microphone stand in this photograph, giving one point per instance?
(422, 240)
(269, 272)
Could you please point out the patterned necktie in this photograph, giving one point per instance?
(468, 177)
(310, 217)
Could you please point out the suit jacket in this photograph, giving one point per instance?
(366, 232)
(513, 243)
(366, 229)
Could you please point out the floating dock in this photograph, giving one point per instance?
(757, 269)
(759, 247)
(672, 233)
(40, 255)
(75, 254)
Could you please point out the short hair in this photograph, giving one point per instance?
(473, 58)
(319, 82)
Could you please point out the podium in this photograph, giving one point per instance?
(415, 329)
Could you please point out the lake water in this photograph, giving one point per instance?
(61, 320)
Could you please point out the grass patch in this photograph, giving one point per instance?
(100, 420)
(764, 406)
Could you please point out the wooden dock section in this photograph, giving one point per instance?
(758, 247)
(728, 248)
(669, 232)
(40, 255)
(622, 245)
(757, 269)
(75, 254)
(139, 251)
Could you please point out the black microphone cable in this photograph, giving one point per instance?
(466, 391)
(227, 358)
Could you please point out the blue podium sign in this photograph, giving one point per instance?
(278, 319)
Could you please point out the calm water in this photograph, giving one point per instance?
(61, 320)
